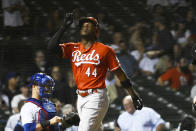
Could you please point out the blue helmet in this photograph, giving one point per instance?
(45, 82)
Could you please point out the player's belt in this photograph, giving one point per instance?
(84, 93)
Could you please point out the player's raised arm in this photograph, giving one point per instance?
(125, 82)
(53, 45)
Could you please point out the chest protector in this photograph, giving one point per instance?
(47, 111)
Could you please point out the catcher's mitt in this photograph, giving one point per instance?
(70, 119)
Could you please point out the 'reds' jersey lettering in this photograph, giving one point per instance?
(90, 65)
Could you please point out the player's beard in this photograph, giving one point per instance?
(88, 36)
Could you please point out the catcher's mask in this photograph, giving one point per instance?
(45, 82)
(91, 20)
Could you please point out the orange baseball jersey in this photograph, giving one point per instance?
(90, 65)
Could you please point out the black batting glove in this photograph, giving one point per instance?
(137, 102)
(68, 19)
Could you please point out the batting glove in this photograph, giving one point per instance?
(137, 102)
(68, 19)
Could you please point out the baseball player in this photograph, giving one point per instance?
(90, 61)
(38, 113)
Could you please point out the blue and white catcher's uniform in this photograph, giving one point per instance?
(35, 111)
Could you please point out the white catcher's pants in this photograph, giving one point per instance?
(92, 110)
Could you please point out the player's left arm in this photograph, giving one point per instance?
(126, 83)
(114, 65)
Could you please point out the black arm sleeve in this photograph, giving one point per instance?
(53, 44)
(126, 84)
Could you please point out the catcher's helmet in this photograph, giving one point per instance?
(92, 20)
(45, 82)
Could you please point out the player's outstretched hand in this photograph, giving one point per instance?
(70, 119)
(137, 102)
(55, 120)
(68, 19)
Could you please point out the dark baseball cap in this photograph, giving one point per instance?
(11, 75)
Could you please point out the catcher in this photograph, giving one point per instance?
(38, 113)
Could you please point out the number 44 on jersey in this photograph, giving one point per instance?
(88, 72)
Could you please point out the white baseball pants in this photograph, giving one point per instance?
(92, 110)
